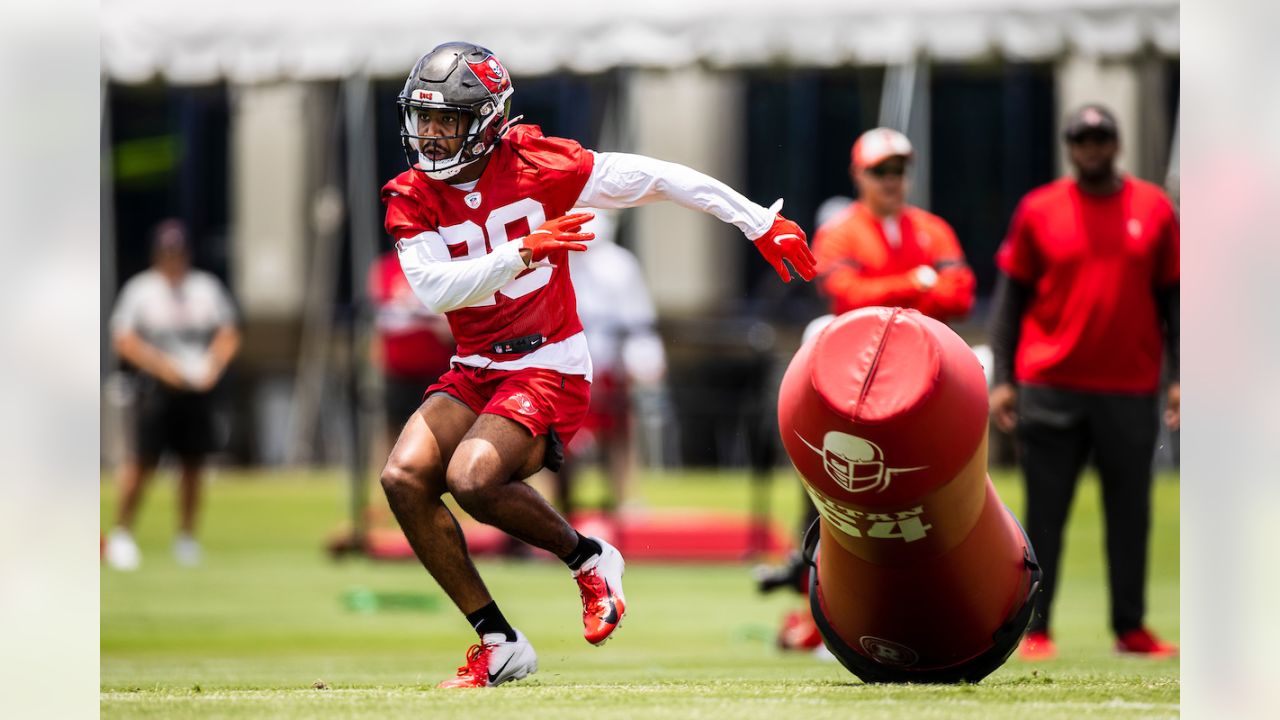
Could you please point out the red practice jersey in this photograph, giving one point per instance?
(530, 179)
(1093, 263)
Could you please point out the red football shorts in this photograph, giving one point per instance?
(536, 398)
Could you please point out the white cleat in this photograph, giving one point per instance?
(822, 653)
(186, 550)
(600, 584)
(495, 661)
(122, 551)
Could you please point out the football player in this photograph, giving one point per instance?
(483, 224)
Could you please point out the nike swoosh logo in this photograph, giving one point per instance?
(493, 677)
(612, 616)
(778, 240)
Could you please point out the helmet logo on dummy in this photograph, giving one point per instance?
(855, 464)
(491, 73)
(887, 652)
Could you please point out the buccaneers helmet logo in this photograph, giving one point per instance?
(855, 464)
(491, 73)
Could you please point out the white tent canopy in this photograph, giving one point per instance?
(265, 40)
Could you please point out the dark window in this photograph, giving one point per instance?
(992, 140)
(801, 125)
(169, 158)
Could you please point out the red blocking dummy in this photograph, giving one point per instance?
(922, 575)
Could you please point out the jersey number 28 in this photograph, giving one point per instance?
(495, 229)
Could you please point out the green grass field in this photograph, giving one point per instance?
(255, 629)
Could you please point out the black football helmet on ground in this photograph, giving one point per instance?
(457, 76)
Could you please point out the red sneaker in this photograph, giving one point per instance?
(600, 583)
(1037, 646)
(495, 661)
(799, 631)
(1144, 643)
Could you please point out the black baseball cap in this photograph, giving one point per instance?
(1091, 118)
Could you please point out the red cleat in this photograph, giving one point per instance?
(1144, 643)
(799, 631)
(1037, 646)
(495, 661)
(600, 582)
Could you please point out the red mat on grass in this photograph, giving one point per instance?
(667, 536)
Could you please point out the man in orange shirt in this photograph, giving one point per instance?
(877, 251)
(882, 251)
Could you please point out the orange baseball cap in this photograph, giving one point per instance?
(877, 145)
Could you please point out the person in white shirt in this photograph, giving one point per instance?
(176, 326)
(627, 356)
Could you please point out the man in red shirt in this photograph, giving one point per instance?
(483, 236)
(412, 345)
(882, 251)
(1088, 290)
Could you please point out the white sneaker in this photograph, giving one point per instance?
(186, 550)
(822, 653)
(600, 584)
(122, 551)
(495, 661)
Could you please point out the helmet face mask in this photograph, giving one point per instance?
(429, 150)
(459, 77)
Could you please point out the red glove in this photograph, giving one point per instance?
(786, 241)
(558, 234)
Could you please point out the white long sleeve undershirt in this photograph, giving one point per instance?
(620, 180)
(443, 284)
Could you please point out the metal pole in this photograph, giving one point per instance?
(918, 129)
(362, 195)
(315, 345)
(904, 106)
(895, 98)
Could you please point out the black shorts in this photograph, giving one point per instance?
(403, 396)
(172, 420)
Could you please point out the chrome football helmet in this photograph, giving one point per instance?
(459, 77)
